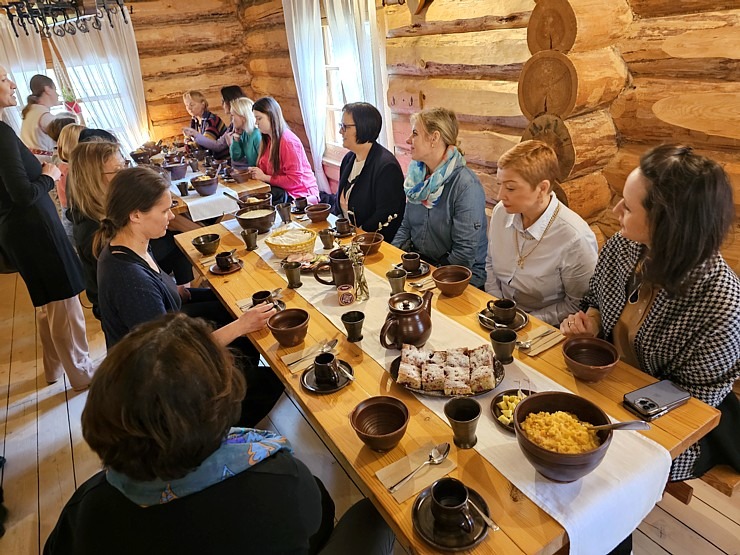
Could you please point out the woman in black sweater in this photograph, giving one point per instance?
(370, 190)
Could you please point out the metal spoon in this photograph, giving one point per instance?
(628, 425)
(436, 456)
(492, 322)
(422, 283)
(528, 344)
(491, 524)
(325, 348)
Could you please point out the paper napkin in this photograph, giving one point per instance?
(392, 473)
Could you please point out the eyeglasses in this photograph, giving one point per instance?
(344, 126)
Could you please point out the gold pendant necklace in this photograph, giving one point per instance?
(520, 257)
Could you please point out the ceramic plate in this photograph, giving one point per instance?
(308, 379)
(342, 235)
(279, 305)
(422, 271)
(307, 266)
(498, 376)
(447, 538)
(295, 210)
(520, 320)
(219, 272)
(496, 410)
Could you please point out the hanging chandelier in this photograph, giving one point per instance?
(60, 16)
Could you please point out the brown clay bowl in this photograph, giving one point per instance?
(590, 359)
(318, 212)
(561, 467)
(256, 200)
(240, 176)
(205, 187)
(290, 326)
(207, 244)
(452, 280)
(140, 156)
(380, 422)
(262, 223)
(369, 242)
(177, 171)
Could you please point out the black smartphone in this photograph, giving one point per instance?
(655, 400)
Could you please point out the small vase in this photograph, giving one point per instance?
(362, 291)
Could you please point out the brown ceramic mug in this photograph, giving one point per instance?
(450, 505)
(325, 369)
(411, 262)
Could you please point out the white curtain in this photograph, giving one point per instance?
(23, 57)
(103, 68)
(303, 25)
(359, 51)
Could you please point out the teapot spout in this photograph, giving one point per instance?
(426, 302)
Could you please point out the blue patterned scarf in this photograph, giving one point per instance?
(242, 448)
(424, 190)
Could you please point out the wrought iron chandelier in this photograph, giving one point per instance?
(60, 16)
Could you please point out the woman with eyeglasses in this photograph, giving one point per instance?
(445, 218)
(370, 190)
(282, 160)
(206, 128)
(34, 242)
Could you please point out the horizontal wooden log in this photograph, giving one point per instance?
(588, 195)
(272, 40)
(607, 220)
(283, 87)
(172, 88)
(628, 158)
(600, 237)
(553, 83)
(276, 66)
(577, 25)
(481, 146)
(457, 16)
(489, 54)
(160, 112)
(701, 114)
(660, 8)
(175, 12)
(257, 12)
(291, 110)
(696, 46)
(584, 144)
(168, 130)
(496, 102)
(205, 62)
(188, 37)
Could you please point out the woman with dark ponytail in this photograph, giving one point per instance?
(37, 116)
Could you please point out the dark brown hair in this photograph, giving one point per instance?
(689, 209)
(269, 106)
(56, 125)
(130, 190)
(368, 121)
(162, 400)
(38, 86)
(230, 93)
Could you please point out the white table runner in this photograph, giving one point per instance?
(599, 510)
(202, 208)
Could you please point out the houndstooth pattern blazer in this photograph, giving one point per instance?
(693, 340)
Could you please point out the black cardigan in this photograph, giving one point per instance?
(378, 191)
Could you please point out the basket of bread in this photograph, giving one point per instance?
(284, 242)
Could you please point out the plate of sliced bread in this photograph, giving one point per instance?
(449, 373)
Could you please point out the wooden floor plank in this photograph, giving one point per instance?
(728, 506)
(7, 307)
(642, 545)
(673, 536)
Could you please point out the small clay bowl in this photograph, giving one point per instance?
(369, 242)
(290, 326)
(207, 244)
(205, 187)
(380, 422)
(140, 156)
(589, 358)
(318, 212)
(452, 280)
(240, 176)
(261, 223)
(256, 200)
(177, 171)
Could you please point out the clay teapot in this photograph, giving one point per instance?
(409, 320)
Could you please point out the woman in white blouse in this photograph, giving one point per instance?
(540, 253)
(37, 116)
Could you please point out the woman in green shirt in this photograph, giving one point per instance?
(244, 141)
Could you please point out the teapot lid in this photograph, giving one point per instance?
(405, 302)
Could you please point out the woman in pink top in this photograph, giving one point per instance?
(282, 160)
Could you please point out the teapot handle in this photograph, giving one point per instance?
(316, 271)
(390, 321)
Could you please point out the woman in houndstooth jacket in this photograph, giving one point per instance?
(663, 294)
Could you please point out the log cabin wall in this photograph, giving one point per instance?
(182, 46)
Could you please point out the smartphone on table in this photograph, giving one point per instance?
(654, 400)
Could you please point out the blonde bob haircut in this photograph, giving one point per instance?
(68, 139)
(243, 108)
(442, 120)
(534, 161)
(86, 188)
(197, 96)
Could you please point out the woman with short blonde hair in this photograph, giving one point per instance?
(445, 217)
(244, 141)
(205, 127)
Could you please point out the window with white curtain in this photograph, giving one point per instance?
(335, 97)
(97, 86)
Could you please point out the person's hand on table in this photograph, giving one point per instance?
(188, 131)
(256, 173)
(51, 170)
(579, 324)
(256, 317)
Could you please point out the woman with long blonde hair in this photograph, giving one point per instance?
(244, 141)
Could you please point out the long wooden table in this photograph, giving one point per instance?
(252, 186)
(525, 528)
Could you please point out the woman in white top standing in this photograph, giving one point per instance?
(540, 253)
(37, 115)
